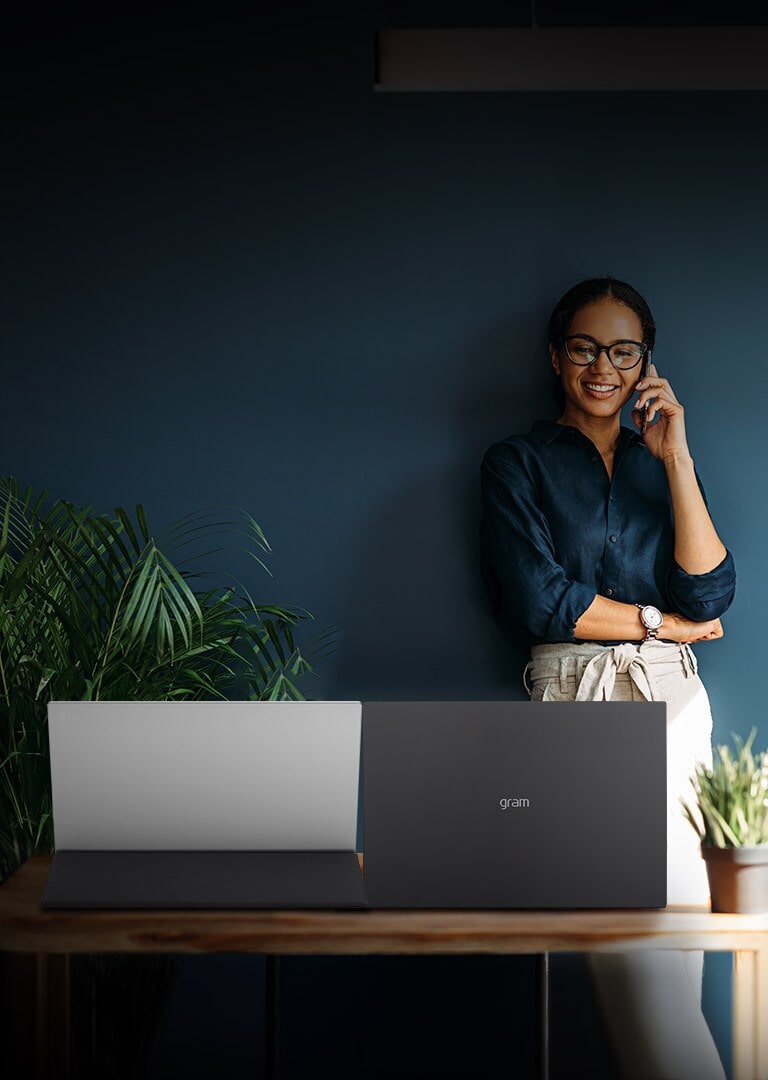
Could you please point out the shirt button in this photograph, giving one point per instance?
(609, 592)
(613, 539)
(593, 458)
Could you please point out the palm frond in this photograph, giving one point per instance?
(101, 606)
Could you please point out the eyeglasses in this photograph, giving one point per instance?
(584, 350)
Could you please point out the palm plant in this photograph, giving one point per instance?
(732, 797)
(97, 607)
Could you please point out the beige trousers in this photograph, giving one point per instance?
(650, 1000)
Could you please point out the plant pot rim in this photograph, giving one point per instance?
(746, 853)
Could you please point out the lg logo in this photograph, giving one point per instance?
(505, 804)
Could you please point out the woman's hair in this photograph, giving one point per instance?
(585, 293)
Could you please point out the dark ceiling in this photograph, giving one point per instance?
(40, 23)
(563, 13)
(58, 44)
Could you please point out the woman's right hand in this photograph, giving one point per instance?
(678, 628)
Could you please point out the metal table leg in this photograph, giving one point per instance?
(542, 1016)
(272, 1017)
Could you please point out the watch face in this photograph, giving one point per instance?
(652, 617)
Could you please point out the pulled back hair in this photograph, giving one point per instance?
(586, 292)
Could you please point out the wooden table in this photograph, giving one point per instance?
(36, 946)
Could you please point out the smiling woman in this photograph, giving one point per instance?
(599, 553)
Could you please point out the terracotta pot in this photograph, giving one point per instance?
(738, 878)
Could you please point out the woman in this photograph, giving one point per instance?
(599, 553)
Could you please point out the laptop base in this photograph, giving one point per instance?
(205, 879)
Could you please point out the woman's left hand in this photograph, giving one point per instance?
(666, 438)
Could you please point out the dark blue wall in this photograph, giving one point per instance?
(238, 275)
(235, 274)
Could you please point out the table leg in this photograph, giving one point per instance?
(542, 1016)
(35, 1005)
(750, 1015)
(272, 1017)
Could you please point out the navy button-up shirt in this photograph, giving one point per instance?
(556, 531)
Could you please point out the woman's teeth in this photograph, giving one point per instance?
(600, 391)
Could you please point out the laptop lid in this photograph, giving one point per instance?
(205, 776)
(514, 804)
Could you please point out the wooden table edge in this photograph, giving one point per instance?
(26, 927)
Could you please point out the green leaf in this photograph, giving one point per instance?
(127, 524)
(142, 520)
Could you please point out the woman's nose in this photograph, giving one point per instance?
(606, 365)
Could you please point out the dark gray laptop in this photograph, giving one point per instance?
(515, 804)
(205, 804)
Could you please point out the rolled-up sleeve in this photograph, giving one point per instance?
(531, 596)
(702, 596)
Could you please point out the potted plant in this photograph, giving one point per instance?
(100, 607)
(732, 824)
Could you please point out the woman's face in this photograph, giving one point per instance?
(607, 321)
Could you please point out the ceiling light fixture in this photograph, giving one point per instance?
(573, 58)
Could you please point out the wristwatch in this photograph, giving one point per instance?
(652, 620)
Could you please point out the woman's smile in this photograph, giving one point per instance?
(601, 391)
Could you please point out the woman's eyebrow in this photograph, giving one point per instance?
(616, 341)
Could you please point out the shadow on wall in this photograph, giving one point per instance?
(418, 623)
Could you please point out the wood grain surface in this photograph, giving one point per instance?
(26, 927)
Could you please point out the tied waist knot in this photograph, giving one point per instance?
(595, 667)
(599, 676)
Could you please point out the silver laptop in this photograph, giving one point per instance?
(205, 804)
(515, 804)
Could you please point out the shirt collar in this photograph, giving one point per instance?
(548, 430)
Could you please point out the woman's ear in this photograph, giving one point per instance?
(555, 357)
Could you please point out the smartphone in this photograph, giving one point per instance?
(644, 410)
